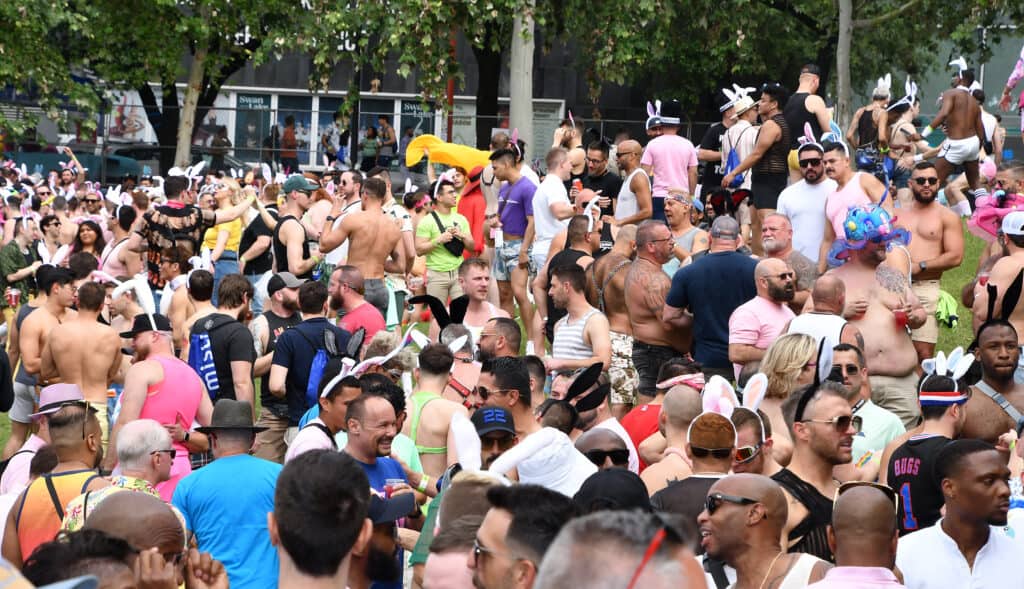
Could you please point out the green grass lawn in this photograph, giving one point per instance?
(952, 282)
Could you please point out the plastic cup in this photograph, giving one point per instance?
(390, 484)
(901, 317)
(983, 278)
(13, 296)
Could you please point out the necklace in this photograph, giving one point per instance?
(769, 571)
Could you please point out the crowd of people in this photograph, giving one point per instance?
(653, 364)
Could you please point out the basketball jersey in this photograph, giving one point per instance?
(911, 474)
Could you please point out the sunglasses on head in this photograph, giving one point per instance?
(715, 500)
(810, 162)
(841, 423)
(931, 181)
(746, 453)
(719, 453)
(598, 457)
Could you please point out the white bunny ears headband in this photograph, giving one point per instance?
(960, 64)
(734, 95)
(446, 176)
(908, 99)
(953, 367)
(883, 86)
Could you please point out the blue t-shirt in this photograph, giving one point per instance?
(294, 350)
(516, 203)
(378, 473)
(711, 288)
(225, 504)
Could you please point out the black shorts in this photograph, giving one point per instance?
(647, 359)
(766, 189)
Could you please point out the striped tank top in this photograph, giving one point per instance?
(568, 342)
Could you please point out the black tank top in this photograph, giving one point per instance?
(796, 115)
(911, 473)
(811, 530)
(281, 251)
(566, 257)
(775, 160)
(275, 326)
(867, 130)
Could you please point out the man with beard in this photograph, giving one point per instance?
(347, 287)
(522, 522)
(880, 427)
(741, 526)
(777, 238)
(606, 184)
(497, 431)
(159, 386)
(475, 279)
(282, 312)
(964, 549)
(822, 427)
(911, 468)
(505, 382)
(803, 203)
(882, 305)
(646, 287)
(582, 336)
(937, 245)
(755, 324)
(499, 337)
(997, 402)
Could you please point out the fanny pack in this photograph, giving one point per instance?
(455, 247)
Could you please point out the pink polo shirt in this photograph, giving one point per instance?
(851, 577)
(758, 322)
(670, 158)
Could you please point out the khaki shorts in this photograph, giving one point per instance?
(623, 376)
(899, 395)
(927, 292)
(271, 444)
(101, 415)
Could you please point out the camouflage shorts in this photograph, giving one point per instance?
(623, 375)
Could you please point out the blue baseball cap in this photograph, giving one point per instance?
(493, 419)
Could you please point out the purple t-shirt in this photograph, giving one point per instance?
(516, 204)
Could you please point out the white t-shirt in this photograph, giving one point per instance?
(804, 204)
(929, 558)
(527, 171)
(546, 226)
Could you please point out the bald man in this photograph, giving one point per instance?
(680, 407)
(141, 519)
(634, 203)
(863, 536)
(604, 448)
(823, 316)
(754, 325)
(741, 525)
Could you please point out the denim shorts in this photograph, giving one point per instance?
(506, 259)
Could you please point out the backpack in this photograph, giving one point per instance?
(5, 463)
(200, 353)
(324, 352)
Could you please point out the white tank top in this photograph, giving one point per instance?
(799, 576)
(568, 341)
(819, 326)
(626, 205)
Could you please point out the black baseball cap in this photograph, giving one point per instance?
(812, 69)
(386, 511)
(493, 419)
(283, 280)
(612, 489)
(143, 323)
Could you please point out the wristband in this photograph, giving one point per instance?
(927, 131)
(422, 487)
(883, 150)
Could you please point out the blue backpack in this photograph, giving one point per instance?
(200, 353)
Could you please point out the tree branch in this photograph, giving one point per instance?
(877, 20)
(786, 7)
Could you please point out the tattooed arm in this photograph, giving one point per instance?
(897, 283)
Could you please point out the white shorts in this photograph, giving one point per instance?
(958, 151)
(25, 401)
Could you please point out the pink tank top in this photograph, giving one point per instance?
(109, 262)
(840, 201)
(178, 404)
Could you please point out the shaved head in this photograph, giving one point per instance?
(599, 438)
(828, 293)
(864, 530)
(681, 406)
(630, 145)
(761, 489)
(627, 233)
(768, 267)
(734, 529)
(140, 519)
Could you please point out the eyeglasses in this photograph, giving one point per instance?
(719, 453)
(930, 180)
(617, 456)
(484, 393)
(841, 422)
(810, 162)
(659, 240)
(889, 492)
(746, 453)
(41, 193)
(783, 276)
(591, 160)
(171, 452)
(715, 500)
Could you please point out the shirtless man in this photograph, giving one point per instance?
(92, 367)
(1003, 273)
(646, 287)
(475, 278)
(175, 302)
(200, 293)
(430, 414)
(998, 401)
(936, 246)
(606, 290)
(36, 328)
(373, 241)
(881, 304)
(852, 188)
(965, 132)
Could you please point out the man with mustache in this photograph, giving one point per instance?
(754, 325)
(937, 244)
(777, 239)
(497, 431)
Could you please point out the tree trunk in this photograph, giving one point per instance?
(843, 92)
(521, 77)
(488, 63)
(186, 124)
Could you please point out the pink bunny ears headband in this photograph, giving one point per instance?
(446, 176)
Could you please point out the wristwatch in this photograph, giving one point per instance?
(923, 265)
(185, 439)
(330, 218)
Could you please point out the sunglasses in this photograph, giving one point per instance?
(484, 393)
(889, 492)
(719, 453)
(931, 181)
(623, 154)
(715, 500)
(841, 423)
(90, 200)
(598, 457)
(746, 453)
(478, 549)
(810, 162)
(784, 276)
(171, 452)
(848, 369)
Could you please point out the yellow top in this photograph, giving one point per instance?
(234, 229)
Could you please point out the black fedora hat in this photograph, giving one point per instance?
(229, 414)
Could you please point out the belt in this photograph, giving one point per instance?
(653, 346)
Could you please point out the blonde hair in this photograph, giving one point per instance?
(783, 362)
(234, 188)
